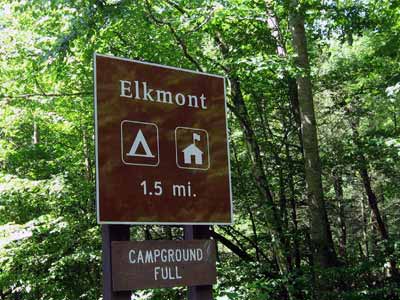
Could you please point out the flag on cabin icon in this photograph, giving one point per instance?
(192, 149)
(192, 152)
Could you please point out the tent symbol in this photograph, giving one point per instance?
(140, 140)
(193, 152)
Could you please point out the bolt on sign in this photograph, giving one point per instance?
(156, 264)
(161, 145)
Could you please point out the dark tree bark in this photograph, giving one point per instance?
(296, 233)
(364, 228)
(372, 199)
(231, 246)
(239, 109)
(251, 215)
(321, 237)
(338, 186)
(147, 233)
(273, 216)
(168, 232)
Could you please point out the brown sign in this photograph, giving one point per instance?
(161, 145)
(156, 264)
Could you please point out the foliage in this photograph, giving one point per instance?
(49, 240)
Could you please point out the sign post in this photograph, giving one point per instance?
(111, 233)
(161, 158)
(201, 292)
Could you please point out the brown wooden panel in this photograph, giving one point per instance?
(156, 264)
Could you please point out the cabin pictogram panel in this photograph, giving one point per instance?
(192, 148)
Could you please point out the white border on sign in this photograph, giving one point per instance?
(122, 144)
(96, 139)
(176, 149)
(97, 156)
(228, 152)
(158, 65)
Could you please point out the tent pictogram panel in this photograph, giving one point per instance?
(139, 143)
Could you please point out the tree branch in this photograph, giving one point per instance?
(231, 246)
(26, 96)
(176, 36)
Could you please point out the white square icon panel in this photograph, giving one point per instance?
(192, 148)
(139, 143)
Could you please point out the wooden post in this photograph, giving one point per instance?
(111, 233)
(200, 292)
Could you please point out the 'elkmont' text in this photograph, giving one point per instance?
(142, 91)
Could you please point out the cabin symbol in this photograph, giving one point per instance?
(193, 152)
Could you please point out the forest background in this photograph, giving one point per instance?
(315, 218)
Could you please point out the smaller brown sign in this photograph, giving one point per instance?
(156, 264)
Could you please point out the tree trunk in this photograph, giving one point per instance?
(365, 227)
(273, 215)
(338, 186)
(323, 251)
(273, 25)
(86, 153)
(239, 109)
(372, 199)
(35, 135)
(248, 207)
(147, 233)
(168, 232)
